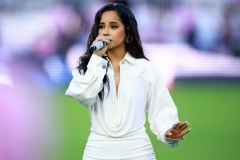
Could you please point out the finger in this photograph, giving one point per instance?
(102, 38)
(186, 132)
(184, 127)
(96, 39)
(106, 39)
(176, 125)
(184, 123)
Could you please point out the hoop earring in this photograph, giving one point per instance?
(127, 39)
(91, 38)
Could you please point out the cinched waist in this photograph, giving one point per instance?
(138, 134)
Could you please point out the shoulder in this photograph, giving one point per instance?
(146, 70)
(144, 64)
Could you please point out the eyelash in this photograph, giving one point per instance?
(113, 27)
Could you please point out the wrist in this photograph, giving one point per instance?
(97, 54)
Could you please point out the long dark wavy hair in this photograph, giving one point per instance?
(134, 46)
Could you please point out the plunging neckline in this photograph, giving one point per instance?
(117, 81)
(116, 77)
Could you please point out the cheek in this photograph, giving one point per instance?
(120, 33)
(100, 32)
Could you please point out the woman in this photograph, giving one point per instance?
(118, 85)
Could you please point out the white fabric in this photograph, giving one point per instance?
(122, 116)
(119, 149)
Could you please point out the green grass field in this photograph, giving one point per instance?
(212, 110)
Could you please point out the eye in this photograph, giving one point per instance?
(114, 27)
(100, 27)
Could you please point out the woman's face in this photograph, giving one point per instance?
(111, 26)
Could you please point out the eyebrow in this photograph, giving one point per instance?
(110, 22)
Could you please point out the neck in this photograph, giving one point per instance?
(116, 55)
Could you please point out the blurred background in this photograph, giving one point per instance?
(195, 44)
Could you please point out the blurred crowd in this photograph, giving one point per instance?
(37, 37)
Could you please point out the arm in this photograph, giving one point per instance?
(85, 88)
(162, 112)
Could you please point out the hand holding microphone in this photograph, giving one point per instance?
(99, 46)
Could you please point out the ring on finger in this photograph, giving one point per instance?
(175, 127)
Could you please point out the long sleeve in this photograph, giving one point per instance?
(162, 112)
(85, 88)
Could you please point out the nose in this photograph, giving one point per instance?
(106, 32)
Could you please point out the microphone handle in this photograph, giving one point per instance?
(97, 46)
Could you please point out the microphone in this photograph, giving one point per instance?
(98, 45)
